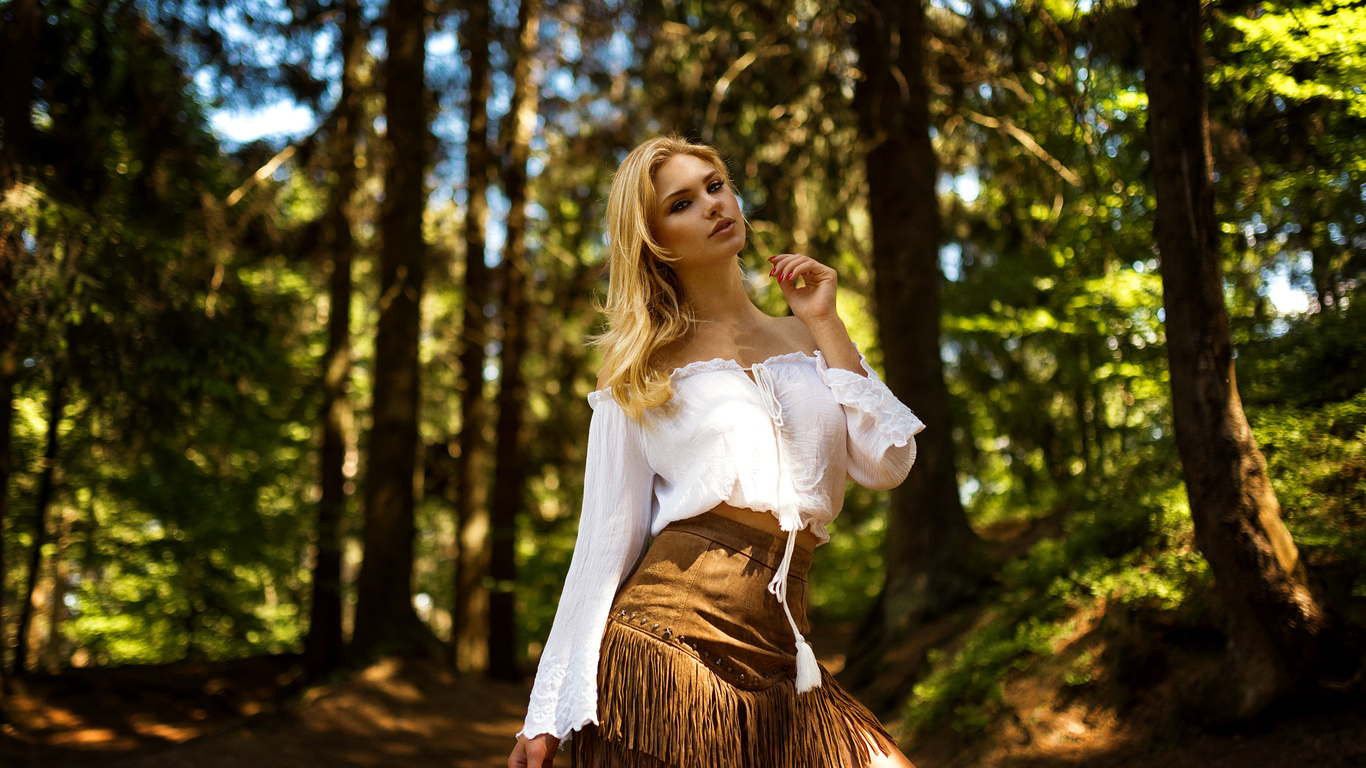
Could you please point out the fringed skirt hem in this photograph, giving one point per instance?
(691, 678)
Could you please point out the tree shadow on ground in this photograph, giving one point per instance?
(383, 716)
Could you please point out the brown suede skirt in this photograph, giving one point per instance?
(698, 664)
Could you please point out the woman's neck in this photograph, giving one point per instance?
(718, 296)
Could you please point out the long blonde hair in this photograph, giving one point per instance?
(643, 307)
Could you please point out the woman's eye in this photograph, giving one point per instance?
(715, 187)
(678, 206)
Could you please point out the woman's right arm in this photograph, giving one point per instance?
(614, 528)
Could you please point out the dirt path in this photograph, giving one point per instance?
(383, 717)
(379, 719)
(232, 716)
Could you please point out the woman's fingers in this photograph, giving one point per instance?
(538, 752)
(815, 297)
(789, 265)
(786, 264)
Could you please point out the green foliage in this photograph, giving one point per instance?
(1318, 359)
(1286, 104)
(1309, 53)
(1305, 391)
(847, 573)
(1053, 332)
(1054, 322)
(1117, 553)
(1316, 458)
(181, 456)
(964, 689)
(543, 560)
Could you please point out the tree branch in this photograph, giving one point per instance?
(1028, 143)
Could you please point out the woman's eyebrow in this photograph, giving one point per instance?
(672, 195)
(687, 189)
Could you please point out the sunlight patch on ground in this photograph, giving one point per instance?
(150, 727)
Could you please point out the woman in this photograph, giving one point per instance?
(727, 435)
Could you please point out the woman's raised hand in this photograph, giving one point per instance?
(815, 299)
(536, 752)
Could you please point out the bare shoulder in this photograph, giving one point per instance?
(795, 334)
(602, 378)
(672, 355)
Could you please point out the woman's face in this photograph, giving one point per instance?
(695, 217)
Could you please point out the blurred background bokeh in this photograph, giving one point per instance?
(294, 297)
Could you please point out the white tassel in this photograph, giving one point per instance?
(808, 671)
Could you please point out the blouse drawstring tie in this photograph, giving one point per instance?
(808, 671)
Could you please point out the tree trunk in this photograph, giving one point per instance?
(6, 468)
(385, 620)
(1274, 621)
(324, 646)
(933, 556)
(471, 615)
(18, 41)
(51, 656)
(56, 405)
(510, 472)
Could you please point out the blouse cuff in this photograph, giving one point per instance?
(563, 707)
(871, 398)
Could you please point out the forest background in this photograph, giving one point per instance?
(321, 395)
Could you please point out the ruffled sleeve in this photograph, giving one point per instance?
(614, 529)
(881, 429)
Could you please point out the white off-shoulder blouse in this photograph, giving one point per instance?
(780, 437)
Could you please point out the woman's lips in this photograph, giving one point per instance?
(724, 226)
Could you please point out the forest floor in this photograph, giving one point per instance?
(249, 714)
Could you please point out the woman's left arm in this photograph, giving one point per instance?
(881, 428)
(814, 304)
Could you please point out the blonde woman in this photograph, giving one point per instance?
(726, 435)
